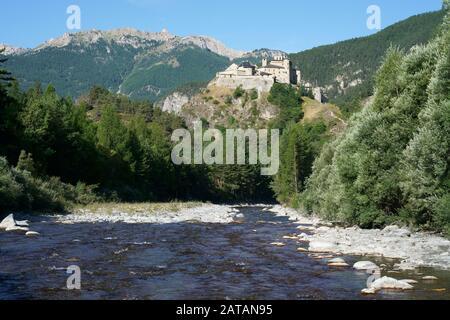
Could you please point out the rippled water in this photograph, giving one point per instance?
(183, 261)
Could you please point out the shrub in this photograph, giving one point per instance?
(238, 92)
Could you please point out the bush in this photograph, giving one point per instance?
(19, 190)
(238, 92)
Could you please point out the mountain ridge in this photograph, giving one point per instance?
(152, 65)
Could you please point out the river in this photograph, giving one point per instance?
(186, 260)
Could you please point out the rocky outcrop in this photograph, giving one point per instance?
(213, 45)
(8, 222)
(10, 50)
(174, 102)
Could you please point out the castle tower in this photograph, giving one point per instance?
(264, 62)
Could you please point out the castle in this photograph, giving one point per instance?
(279, 70)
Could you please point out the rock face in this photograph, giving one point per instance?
(8, 222)
(10, 50)
(174, 102)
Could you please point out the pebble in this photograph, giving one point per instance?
(430, 278)
(32, 234)
(278, 244)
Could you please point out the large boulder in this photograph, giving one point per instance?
(390, 284)
(365, 265)
(8, 222)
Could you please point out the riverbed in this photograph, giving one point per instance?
(246, 252)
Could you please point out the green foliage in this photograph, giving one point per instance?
(289, 100)
(141, 73)
(26, 162)
(238, 92)
(360, 58)
(153, 76)
(300, 145)
(19, 190)
(392, 163)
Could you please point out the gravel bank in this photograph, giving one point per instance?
(415, 249)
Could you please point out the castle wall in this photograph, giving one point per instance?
(260, 83)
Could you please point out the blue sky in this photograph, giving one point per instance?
(290, 25)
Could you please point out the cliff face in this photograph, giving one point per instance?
(221, 106)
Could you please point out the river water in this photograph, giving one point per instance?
(184, 261)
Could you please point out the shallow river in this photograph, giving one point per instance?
(184, 261)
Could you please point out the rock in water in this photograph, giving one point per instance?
(278, 244)
(429, 278)
(17, 229)
(338, 265)
(24, 223)
(8, 222)
(391, 284)
(365, 265)
(368, 291)
(409, 281)
(32, 234)
(337, 260)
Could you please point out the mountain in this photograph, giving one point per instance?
(346, 69)
(153, 65)
(141, 65)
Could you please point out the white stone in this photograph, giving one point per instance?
(364, 265)
(24, 223)
(337, 260)
(321, 246)
(430, 278)
(8, 222)
(409, 281)
(391, 284)
(278, 244)
(17, 229)
(32, 234)
(368, 291)
(338, 264)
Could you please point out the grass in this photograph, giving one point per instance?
(134, 208)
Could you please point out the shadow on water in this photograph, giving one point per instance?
(179, 261)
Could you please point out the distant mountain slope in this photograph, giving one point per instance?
(142, 65)
(152, 65)
(347, 68)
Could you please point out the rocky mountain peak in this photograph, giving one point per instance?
(10, 50)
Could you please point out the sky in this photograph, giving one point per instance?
(289, 25)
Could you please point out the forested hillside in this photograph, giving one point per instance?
(140, 67)
(348, 67)
(55, 153)
(393, 162)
